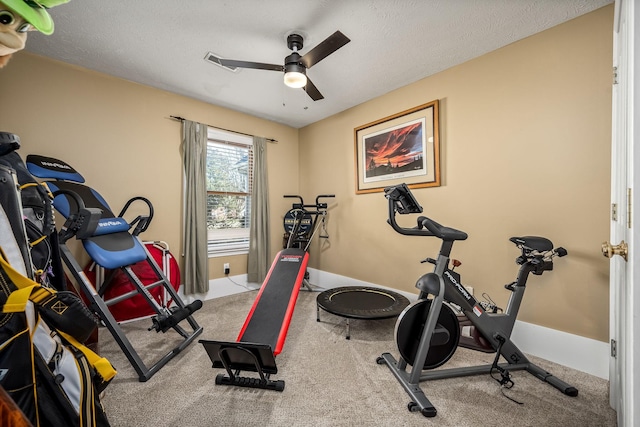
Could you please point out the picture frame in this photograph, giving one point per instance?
(401, 148)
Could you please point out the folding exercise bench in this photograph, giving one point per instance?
(112, 244)
(264, 331)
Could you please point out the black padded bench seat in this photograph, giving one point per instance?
(265, 329)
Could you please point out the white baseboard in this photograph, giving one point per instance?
(584, 354)
(221, 288)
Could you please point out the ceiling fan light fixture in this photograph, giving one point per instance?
(295, 79)
(295, 76)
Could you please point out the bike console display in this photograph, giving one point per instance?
(404, 202)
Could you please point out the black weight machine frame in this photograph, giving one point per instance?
(301, 225)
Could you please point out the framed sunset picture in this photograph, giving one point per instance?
(402, 148)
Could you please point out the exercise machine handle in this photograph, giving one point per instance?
(301, 205)
(295, 205)
(141, 222)
(323, 196)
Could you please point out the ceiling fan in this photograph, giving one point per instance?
(295, 66)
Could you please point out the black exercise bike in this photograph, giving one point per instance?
(428, 331)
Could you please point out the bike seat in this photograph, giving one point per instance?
(539, 244)
(442, 232)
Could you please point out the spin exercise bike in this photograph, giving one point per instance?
(427, 332)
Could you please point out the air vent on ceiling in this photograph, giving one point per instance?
(215, 59)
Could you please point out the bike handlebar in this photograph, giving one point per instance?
(415, 231)
(401, 200)
(440, 231)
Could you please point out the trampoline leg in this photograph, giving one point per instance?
(348, 330)
(307, 285)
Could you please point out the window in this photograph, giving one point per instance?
(229, 185)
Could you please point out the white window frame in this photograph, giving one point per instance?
(225, 242)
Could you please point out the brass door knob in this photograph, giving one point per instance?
(610, 250)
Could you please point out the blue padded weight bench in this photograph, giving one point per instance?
(113, 244)
(265, 329)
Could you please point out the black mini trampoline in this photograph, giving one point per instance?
(361, 302)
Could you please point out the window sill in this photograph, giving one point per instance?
(229, 252)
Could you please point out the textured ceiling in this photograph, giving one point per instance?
(162, 43)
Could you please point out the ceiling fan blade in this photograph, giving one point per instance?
(332, 43)
(247, 64)
(312, 90)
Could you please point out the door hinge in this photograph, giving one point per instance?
(614, 211)
(615, 75)
(614, 350)
(629, 208)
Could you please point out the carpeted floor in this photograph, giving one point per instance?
(330, 381)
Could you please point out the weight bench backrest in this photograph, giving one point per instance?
(269, 318)
(111, 245)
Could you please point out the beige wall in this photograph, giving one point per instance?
(525, 134)
(119, 136)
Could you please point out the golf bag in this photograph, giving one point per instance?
(41, 256)
(50, 375)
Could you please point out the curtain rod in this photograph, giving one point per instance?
(182, 119)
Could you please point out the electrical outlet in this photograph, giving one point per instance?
(226, 268)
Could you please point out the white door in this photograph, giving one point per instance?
(624, 290)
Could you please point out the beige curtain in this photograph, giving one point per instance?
(259, 258)
(195, 248)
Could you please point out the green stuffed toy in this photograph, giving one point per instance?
(19, 16)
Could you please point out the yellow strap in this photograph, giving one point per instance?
(28, 289)
(35, 242)
(102, 365)
(46, 187)
(18, 279)
(29, 184)
(17, 300)
(40, 295)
